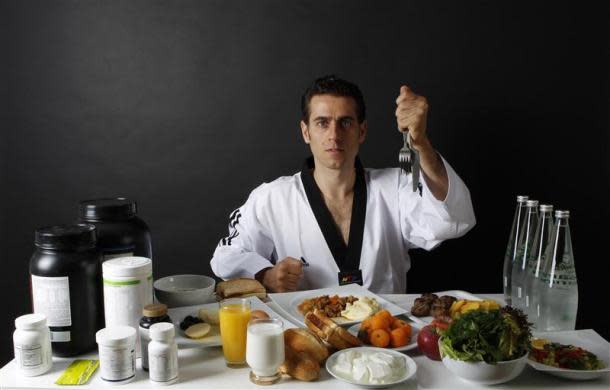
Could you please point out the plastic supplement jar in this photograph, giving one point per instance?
(127, 289)
(117, 354)
(66, 281)
(152, 314)
(163, 354)
(120, 231)
(32, 341)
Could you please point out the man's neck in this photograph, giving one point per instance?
(335, 184)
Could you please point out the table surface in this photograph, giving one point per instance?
(204, 368)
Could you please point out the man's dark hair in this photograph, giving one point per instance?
(332, 85)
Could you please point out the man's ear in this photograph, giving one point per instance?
(363, 129)
(305, 132)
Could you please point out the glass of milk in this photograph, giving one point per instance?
(265, 350)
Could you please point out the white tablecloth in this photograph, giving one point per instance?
(205, 369)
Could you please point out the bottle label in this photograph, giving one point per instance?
(51, 297)
(60, 337)
(28, 357)
(163, 366)
(117, 364)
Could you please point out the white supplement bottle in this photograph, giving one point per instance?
(117, 354)
(162, 354)
(127, 289)
(32, 341)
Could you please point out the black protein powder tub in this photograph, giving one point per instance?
(120, 232)
(66, 286)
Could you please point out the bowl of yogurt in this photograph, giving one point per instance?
(371, 367)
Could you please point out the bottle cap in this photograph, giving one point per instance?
(154, 310)
(116, 336)
(531, 203)
(112, 209)
(31, 321)
(562, 213)
(162, 331)
(66, 237)
(546, 207)
(522, 198)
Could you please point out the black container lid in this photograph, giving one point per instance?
(114, 209)
(66, 237)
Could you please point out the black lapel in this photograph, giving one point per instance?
(346, 257)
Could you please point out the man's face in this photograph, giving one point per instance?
(333, 131)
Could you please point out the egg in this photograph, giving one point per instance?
(258, 315)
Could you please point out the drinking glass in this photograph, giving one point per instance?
(234, 314)
(265, 350)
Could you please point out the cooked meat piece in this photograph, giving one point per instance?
(438, 310)
(421, 308)
(429, 297)
(447, 300)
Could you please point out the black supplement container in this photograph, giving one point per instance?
(66, 286)
(120, 232)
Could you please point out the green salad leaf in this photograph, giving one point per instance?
(489, 336)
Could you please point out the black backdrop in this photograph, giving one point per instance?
(186, 106)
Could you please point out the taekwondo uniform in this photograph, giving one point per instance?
(288, 218)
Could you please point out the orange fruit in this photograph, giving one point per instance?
(379, 322)
(366, 324)
(408, 330)
(380, 338)
(385, 314)
(398, 323)
(399, 337)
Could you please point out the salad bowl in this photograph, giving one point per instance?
(485, 373)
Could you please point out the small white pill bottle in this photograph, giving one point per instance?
(32, 342)
(162, 354)
(117, 352)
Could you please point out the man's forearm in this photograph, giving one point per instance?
(434, 170)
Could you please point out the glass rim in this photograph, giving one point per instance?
(245, 302)
(271, 320)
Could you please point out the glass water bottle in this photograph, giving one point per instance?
(511, 249)
(526, 241)
(557, 287)
(535, 260)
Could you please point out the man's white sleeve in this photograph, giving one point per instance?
(427, 221)
(248, 247)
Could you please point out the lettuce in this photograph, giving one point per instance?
(491, 336)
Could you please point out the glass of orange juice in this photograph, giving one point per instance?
(234, 315)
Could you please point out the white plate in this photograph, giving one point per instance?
(585, 338)
(459, 294)
(413, 344)
(212, 339)
(288, 302)
(409, 373)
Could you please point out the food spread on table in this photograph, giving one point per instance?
(564, 356)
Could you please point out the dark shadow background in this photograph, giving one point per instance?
(186, 106)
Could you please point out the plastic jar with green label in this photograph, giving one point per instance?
(127, 289)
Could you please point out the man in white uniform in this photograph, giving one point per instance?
(335, 221)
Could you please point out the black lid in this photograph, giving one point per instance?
(107, 209)
(66, 237)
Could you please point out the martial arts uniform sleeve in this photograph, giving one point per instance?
(427, 221)
(248, 247)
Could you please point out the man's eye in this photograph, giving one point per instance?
(346, 123)
(322, 123)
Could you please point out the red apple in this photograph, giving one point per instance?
(427, 341)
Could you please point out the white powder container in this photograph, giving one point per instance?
(127, 289)
(116, 346)
(32, 342)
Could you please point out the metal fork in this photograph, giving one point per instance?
(408, 159)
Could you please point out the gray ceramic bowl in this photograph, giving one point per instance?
(185, 290)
